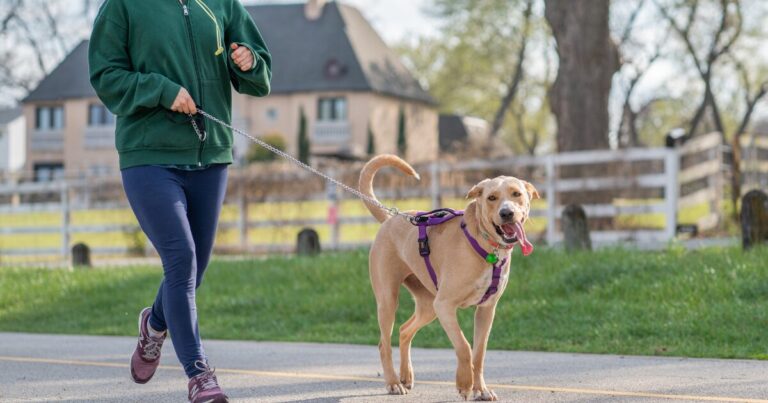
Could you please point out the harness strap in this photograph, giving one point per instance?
(437, 217)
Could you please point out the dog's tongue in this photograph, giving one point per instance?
(525, 245)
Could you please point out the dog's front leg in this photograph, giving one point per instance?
(446, 313)
(483, 321)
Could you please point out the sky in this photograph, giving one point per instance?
(395, 20)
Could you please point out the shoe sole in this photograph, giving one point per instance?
(223, 399)
(130, 361)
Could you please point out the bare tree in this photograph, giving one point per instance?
(41, 33)
(725, 34)
(635, 64)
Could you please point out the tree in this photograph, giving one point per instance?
(34, 36)
(588, 60)
(719, 50)
(476, 67)
(303, 140)
(705, 56)
(370, 147)
(402, 141)
(638, 57)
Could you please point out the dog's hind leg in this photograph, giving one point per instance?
(423, 314)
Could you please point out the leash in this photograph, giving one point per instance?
(202, 135)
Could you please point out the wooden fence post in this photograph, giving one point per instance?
(242, 222)
(671, 192)
(575, 228)
(334, 212)
(434, 184)
(551, 193)
(754, 218)
(65, 222)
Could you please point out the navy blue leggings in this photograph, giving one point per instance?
(179, 211)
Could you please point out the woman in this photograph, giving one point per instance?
(153, 63)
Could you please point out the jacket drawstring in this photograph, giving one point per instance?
(212, 16)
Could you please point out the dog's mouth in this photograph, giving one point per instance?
(514, 233)
(506, 232)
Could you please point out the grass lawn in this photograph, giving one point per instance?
(710, 303)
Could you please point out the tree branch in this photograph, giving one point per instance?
(517, 75)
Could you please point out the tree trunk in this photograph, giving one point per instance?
(588, 61)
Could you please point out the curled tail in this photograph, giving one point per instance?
(369, 172)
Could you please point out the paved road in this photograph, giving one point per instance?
(86, 368)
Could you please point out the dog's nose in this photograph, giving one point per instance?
(506, 214)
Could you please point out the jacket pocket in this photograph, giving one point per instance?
(217, 102)
(168, 130)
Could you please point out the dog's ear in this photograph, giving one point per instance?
(531, 190)
(477, 190)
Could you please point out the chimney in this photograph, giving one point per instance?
(313, 10)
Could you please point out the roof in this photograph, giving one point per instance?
(340, 51)
(68, 80)
(9, 115)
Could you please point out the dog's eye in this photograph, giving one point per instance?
(492, 198)
(516, 194)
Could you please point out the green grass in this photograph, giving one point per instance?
(711, 303)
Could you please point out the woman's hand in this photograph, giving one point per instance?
(242, 56)
(184, 103)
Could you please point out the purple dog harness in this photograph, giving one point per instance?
(440, 216)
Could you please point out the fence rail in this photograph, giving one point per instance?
(649, 185)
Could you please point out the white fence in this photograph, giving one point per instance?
(612, 186)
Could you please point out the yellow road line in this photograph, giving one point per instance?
(304, 375)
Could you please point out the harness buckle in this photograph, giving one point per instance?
(424, 246)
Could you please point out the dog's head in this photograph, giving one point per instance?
(503, 204)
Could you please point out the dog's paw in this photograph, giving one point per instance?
(464, 393)
(397, 389)
(485, 395)
(407, 384)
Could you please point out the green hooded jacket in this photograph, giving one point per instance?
(143, 51)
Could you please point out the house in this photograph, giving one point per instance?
(12, 139)
(328, 63)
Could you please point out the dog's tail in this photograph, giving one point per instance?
(369, 172)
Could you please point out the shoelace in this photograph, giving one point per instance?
(152, 349)
(207, 380)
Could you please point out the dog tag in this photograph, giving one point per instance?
(492, 258)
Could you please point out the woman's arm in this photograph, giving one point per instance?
(123, 90)
(242, 31)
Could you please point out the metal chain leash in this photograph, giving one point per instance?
(201, 135)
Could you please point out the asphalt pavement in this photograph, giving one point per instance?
(37, 368)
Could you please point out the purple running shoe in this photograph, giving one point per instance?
(146, 357)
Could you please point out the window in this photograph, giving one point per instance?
(332, 109)
(47, 172)
(99, 115)
(49, 118)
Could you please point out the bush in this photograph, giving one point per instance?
(258, 153)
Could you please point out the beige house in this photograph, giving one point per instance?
(327, 62)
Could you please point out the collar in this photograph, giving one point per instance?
(492, 257)
(497, 245)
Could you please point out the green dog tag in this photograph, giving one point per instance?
(491, 258)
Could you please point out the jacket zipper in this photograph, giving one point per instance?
(188, 23)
